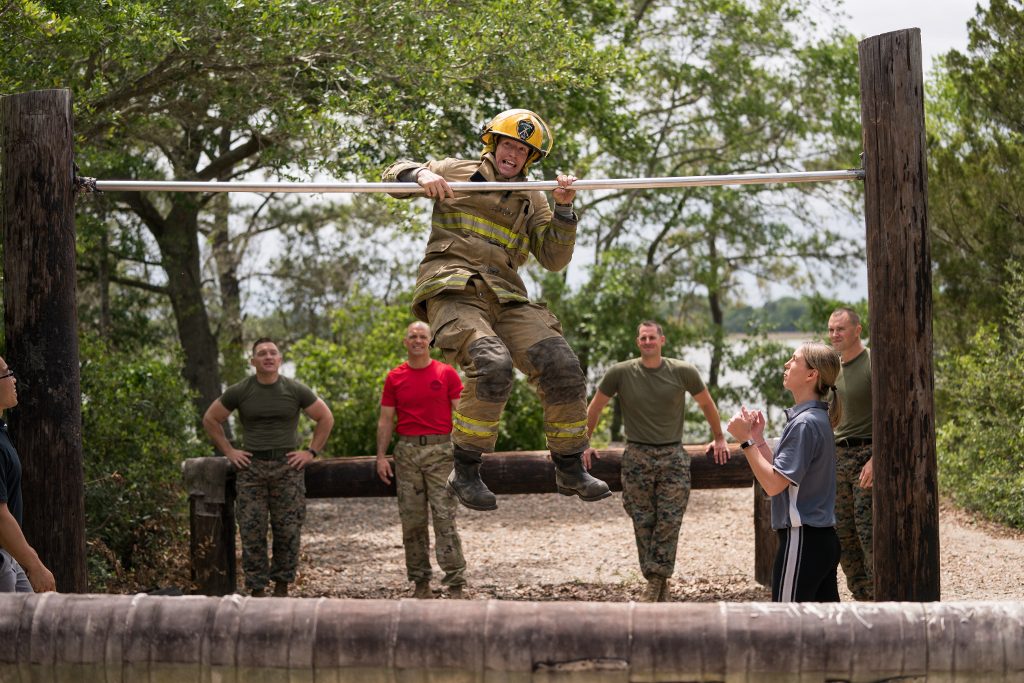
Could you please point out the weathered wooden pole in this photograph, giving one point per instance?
(125, 638)
(41, 324)
(210, 484)
(906, 510)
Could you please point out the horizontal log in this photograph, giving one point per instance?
(64, 637)
(515, 472)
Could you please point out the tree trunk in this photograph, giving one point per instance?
(179, 248)
(225, 258)
(37, 209)
(718, 340)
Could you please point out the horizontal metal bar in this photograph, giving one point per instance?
(412, 188)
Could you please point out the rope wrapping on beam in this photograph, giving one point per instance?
(67, 637)
(413, 188)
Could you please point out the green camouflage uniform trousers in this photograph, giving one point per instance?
(270, 488)
(655, 493)
(420, 476)
(853, 521)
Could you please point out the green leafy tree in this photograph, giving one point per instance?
(722, 87)
(976, 169)
(348, 368)
(226, 89)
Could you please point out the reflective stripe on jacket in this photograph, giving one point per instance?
(488, 234)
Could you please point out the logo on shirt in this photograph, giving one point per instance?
(436, 385)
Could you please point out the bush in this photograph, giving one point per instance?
(981, 441)
(522, 421)
(348, 371)
(138, 424)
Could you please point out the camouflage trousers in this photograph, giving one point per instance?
(270, 488)
(853, 521)
(655, 492)
(420, 476)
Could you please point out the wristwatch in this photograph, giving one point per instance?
(746, 444)
(315, 452)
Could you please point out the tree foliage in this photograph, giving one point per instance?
(981, 442)
(224, 89)
(136, 425)
(976, 169)
(719, 88)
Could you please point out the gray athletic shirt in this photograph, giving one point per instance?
(806, 455)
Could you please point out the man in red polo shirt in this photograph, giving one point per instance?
(422, 393)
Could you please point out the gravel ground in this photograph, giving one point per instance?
(550, 547)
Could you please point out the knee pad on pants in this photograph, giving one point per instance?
(493, 365)
(559, 374)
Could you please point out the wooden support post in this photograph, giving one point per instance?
(906, 511)
(41, 324)
(210, 483)
(766, 539)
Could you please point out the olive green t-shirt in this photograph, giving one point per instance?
(652, 400)
(269, 412)
(854, 388)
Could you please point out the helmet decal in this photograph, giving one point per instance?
(525, 128)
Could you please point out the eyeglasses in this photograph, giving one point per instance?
(10, 373)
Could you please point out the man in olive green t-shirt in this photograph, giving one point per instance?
(854, 472)
(655, 467)
(270, 480)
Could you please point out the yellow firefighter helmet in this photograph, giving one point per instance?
(523, 126)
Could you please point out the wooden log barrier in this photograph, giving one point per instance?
(515, 472)
(209, 482)
(62, 637)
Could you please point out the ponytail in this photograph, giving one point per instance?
(826, 361)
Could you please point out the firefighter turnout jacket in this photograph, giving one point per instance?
(485, 234)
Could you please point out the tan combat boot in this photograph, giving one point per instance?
(665, 596)
(281, 589)
(456, 592)
(258, 592)
(652, 592)
(422, 590)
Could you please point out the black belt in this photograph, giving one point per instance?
(272, 454)
(425, 439)
(852, 442)
(653, 445)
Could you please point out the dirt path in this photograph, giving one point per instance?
(549, 547)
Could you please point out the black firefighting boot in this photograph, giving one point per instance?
(466, 484)
(572, 480)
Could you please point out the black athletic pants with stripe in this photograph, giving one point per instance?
(805, 566)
